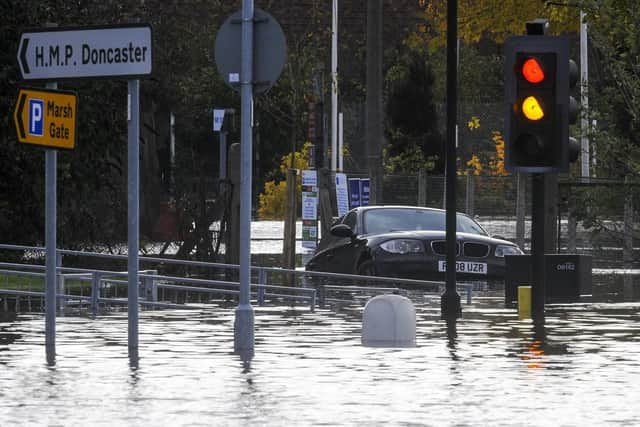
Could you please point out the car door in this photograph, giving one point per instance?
(324, 253)
(342, 255)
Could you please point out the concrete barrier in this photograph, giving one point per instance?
(389, 321)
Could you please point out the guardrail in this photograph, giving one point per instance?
(150, 283)
(310, 287)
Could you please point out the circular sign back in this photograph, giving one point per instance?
(269, 50)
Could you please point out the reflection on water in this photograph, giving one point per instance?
(580, 367)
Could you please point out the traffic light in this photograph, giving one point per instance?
(538, 105)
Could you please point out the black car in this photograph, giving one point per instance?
(408, 242)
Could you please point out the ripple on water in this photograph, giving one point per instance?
(490, 368)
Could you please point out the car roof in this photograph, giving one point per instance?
(425, 208)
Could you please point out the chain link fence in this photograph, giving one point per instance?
(595, 216)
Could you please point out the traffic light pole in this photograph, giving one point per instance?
(538, 246)
(450, 301)
(538, 76)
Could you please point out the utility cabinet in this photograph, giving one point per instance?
(567, 276)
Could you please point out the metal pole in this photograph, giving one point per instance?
(340, 141)
(627, 248)
(223, 154)
(538, 246)
(243, 331)
(521, 188)
(172, 152)
(334, 87)
(133, 213)
(374, 137)
(450, 300)
(51, 165)
(584, 101)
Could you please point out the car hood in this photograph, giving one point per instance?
(429, 235)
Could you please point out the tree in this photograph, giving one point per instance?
(490, 19)
(491, 164)
(89, 177)
(482, 27)
(613, 29)
(272, 200)
(92, 178)
(412, 129)
(283, 110)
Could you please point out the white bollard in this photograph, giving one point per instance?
(389, 321)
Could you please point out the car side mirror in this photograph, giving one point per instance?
(342, 230)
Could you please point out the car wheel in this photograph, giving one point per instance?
(367, 268)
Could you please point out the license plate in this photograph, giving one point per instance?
(465, 267)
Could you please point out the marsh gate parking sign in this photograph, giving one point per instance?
(46, 117)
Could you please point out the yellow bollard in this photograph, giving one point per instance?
(524, 302)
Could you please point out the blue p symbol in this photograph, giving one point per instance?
(36, 119)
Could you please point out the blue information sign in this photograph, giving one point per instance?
(354, 192)
(365, 185)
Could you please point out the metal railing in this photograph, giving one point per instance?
(149, 285)
(310, 287)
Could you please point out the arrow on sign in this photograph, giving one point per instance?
(20, 108)
(23, 55)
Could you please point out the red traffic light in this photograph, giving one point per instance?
(532, 71)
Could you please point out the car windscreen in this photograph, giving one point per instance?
(377, 221)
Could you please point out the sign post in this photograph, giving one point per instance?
(252, 68)
(133, 216)
(50, 238)
(76, 53)
(48, 118)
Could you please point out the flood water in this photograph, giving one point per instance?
(582, 367)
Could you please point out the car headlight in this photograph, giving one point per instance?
(403, 246)
(502, 250)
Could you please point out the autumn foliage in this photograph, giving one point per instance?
(273, 198)
(491, 19)
(494, 164)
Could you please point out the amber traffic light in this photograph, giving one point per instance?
(532, 109)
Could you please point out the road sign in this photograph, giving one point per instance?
(89, 52)
(218, 120)
(46, 117)
(269, 50)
